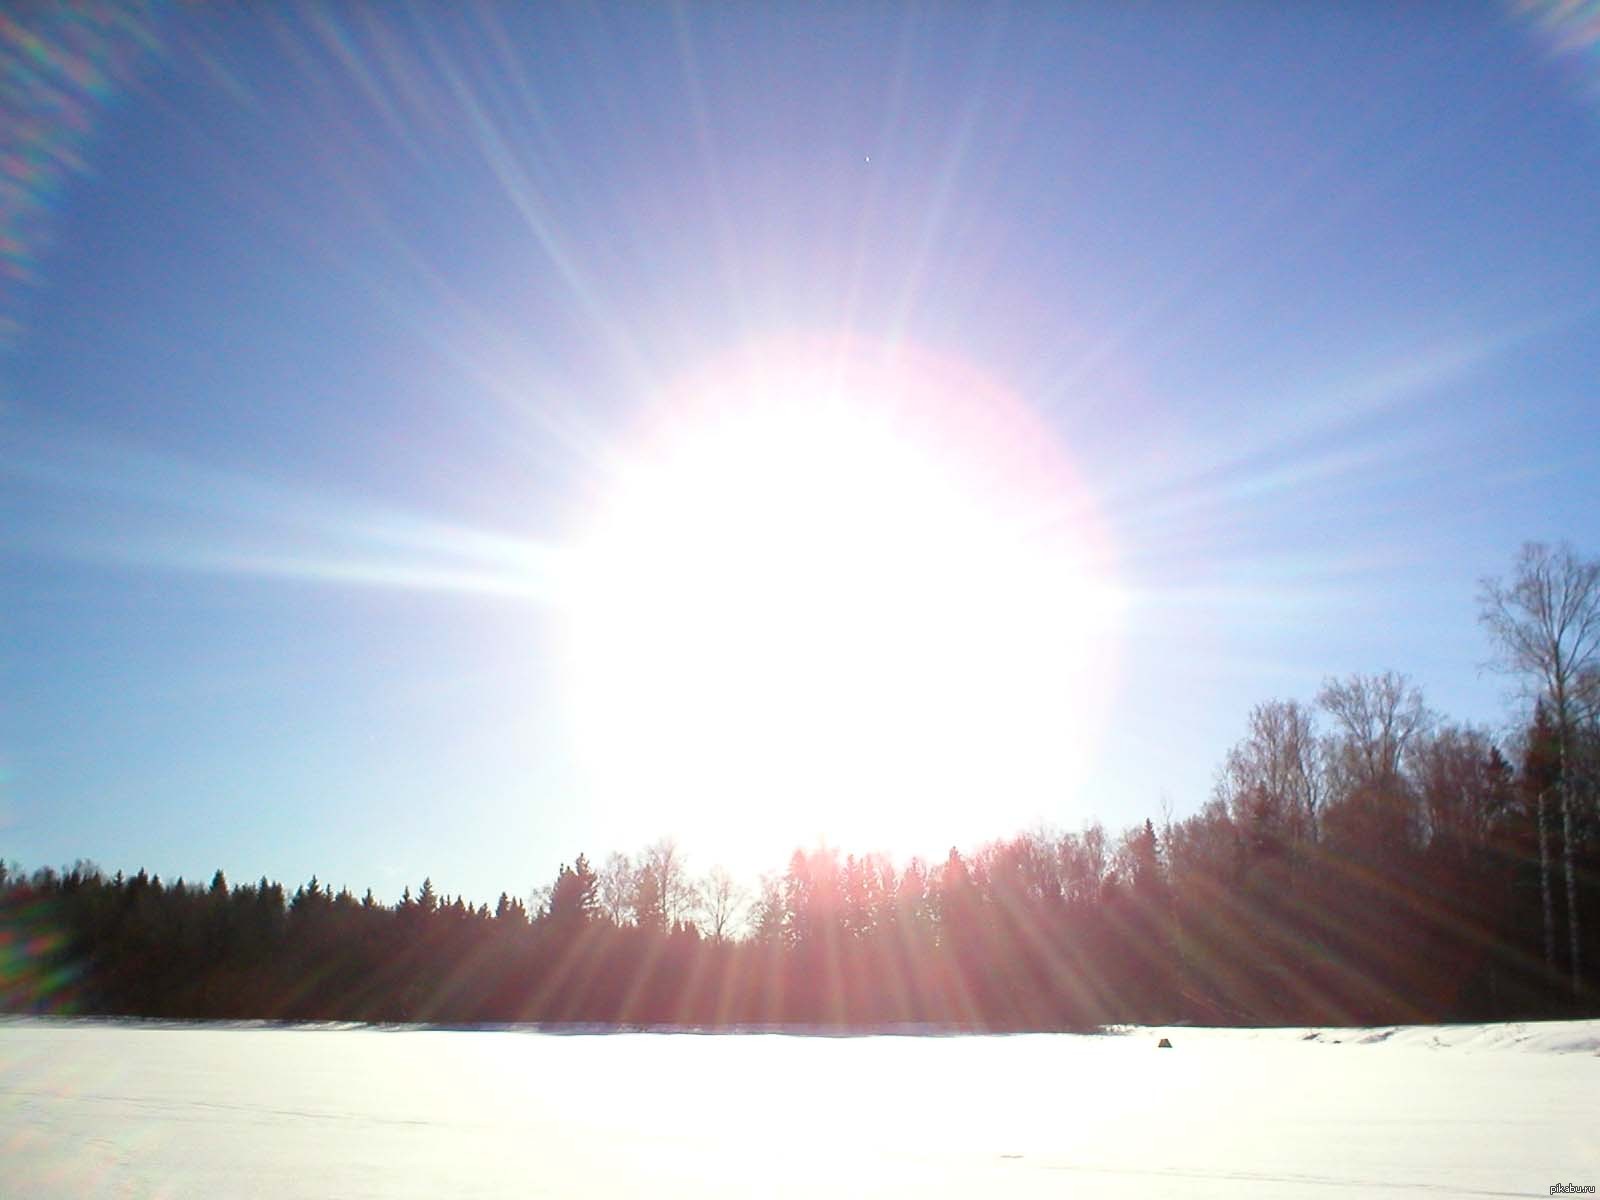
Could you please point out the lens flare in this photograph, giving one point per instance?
(1570, 30)
(60, 66)
(37, 973)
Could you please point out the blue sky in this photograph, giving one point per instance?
(327, 322)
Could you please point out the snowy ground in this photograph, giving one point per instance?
(142, 1110)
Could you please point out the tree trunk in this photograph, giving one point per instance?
(1544, 887)
(1565, 784)
(1572, 886)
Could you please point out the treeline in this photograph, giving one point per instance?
(1361, 860)
(1387, 871)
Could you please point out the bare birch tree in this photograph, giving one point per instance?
(1546, 626)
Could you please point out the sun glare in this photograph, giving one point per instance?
(838, 594)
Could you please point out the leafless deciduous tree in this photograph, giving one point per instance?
(1546, 626)
(1277, 770)
(617, 888)
(722, 899)
(664, 895)
(1376, 718)
(1378, 715)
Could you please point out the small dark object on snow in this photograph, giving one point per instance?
(1164, 1044)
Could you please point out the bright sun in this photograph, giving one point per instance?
(833, 593)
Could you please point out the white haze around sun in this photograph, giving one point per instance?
(813, 605)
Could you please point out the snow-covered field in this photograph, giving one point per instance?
(144, 1110)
